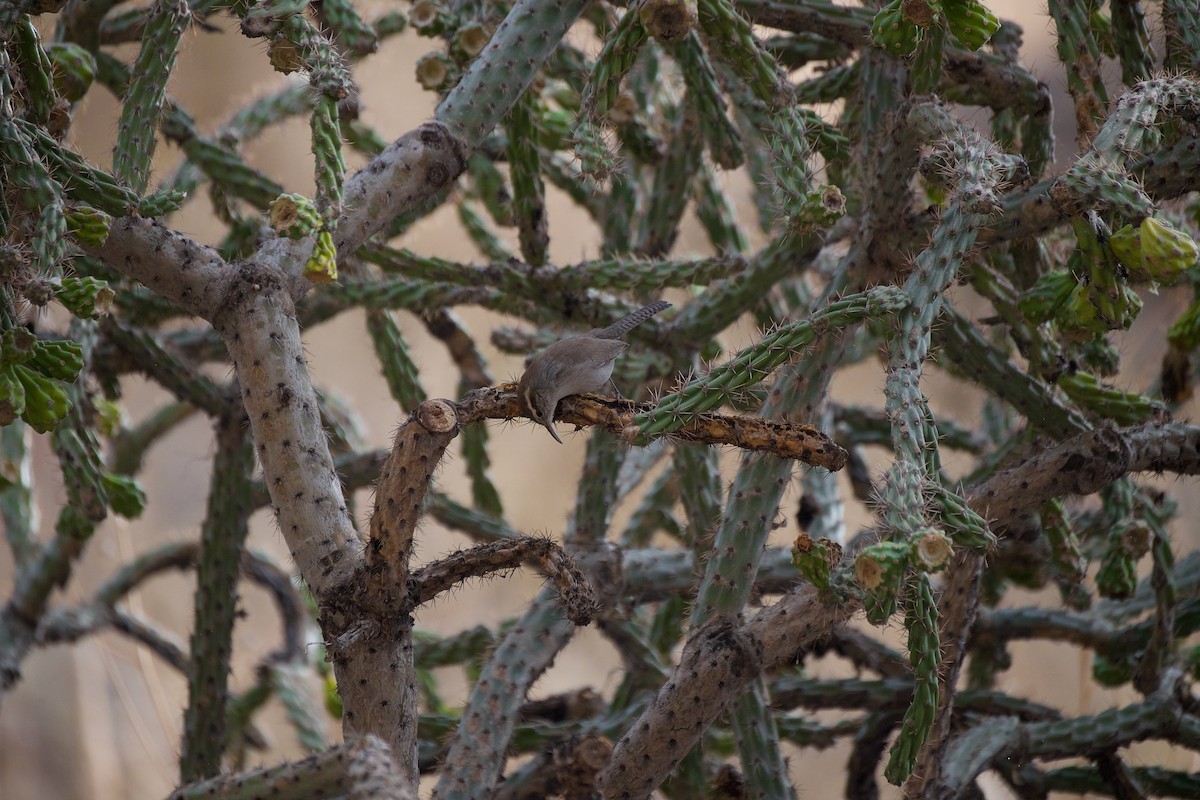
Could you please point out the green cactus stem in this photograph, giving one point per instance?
(924, 648)
(506, 67)
(529, 191)
(399, 370)
(705, 94)
(330, 168)
(758, 361)
(1124, 408)
(617, 57)
(147, 91)
(36, 68)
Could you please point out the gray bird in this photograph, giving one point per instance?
(576, 365)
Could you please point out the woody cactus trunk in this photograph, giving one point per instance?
(876, 225)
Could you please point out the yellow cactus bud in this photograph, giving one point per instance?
(1154, 251)
(321, 267)
(1166, 250)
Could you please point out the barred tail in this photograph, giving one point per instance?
(626, 324)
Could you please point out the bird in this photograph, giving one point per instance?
(575, 365)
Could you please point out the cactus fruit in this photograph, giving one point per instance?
(971, 22)
(46, 400)
(821, 207)
(816, 558)
(429, 18)
(891, 31)
(436, 71)
(1156, 250)
(294, 216)
(470, 39)
(17, 346)
(125, 495)
(89, 225)
(285, 55)
(12, 396)
(74, 69)
(59, 360)
(668, 20)
(932, 549)
(321, 267)
(85, 297)
(161, 203)
(879, 569)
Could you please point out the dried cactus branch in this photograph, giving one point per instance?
(361, 767)
(785, 440)
(549, 559)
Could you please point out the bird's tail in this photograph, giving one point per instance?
(626, 324)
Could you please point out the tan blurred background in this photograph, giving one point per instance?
(102, 719)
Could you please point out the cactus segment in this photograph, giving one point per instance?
(147, 91)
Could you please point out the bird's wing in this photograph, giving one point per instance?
(592, 352)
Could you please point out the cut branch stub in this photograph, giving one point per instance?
(416, 452)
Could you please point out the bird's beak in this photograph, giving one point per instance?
(550, 427)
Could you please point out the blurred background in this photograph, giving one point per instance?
(102, 718)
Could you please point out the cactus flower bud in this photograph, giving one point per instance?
(322, 264)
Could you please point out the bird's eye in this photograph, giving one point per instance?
(536, 413)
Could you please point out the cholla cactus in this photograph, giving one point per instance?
(844, 206)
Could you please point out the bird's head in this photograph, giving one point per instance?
(541, 408)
